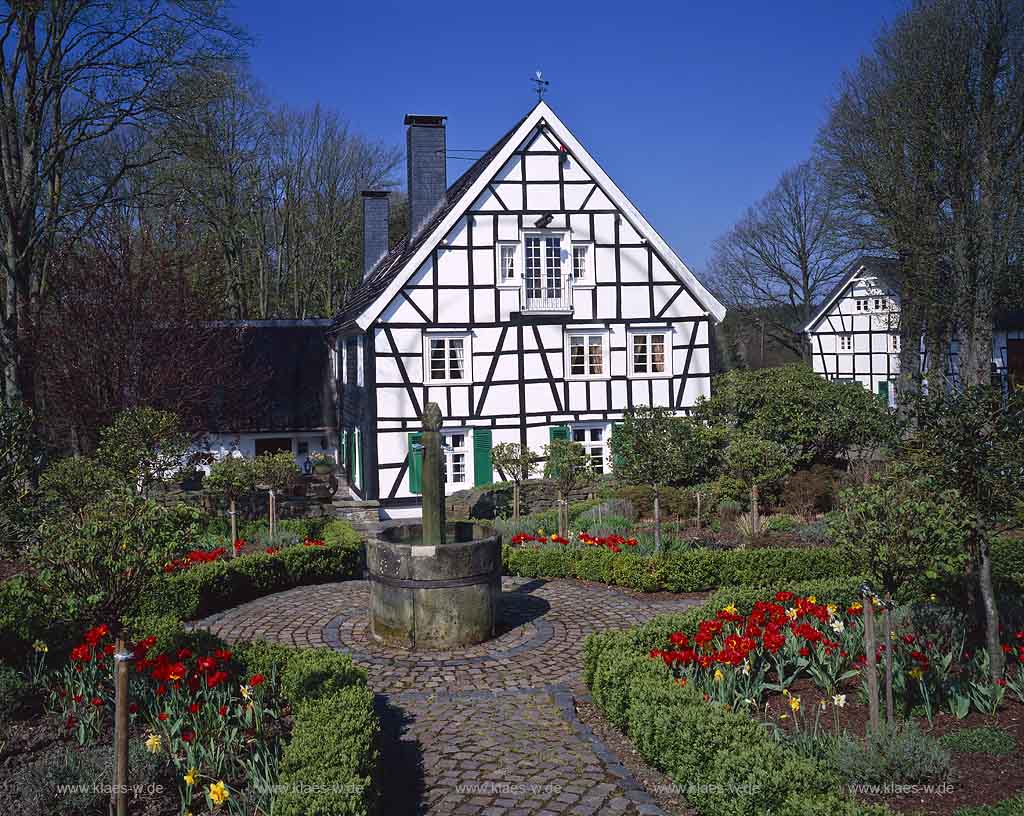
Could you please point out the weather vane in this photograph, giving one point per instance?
(540, 84)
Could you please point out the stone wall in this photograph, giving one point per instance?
(536, 496)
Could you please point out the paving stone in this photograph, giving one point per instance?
(490, 729)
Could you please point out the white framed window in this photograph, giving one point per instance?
(594, 439)
(650, 353)
(862, 304)
(586, 355)
(877, 304)
(582, 264)
(894, 343)
(360, 375)
(543, 265)
(846, 342)
(507, 262)
(446, 357)
(453, 444)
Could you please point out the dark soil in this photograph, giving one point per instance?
(660, 787)
(9, 568)
(978, 779)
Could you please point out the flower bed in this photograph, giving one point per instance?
(224, 730)
(696, 691)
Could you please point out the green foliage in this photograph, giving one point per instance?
(144, 445)
(334, 743)
(757, 461)
(809, 490)
(895, 753)
(73, 483)
(897, 529)
(275, 471)
(567, 464)
(13, 691)
(517, 462)
(90, 566)
(690, 570)
(312, 674)
(1008, 807)
(339, 532)
(818, 420)
(739, 770)
(983, 740)
(653, 447)
(231, 477)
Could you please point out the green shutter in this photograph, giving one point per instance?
(483, 470)
(617, 460)
(359, 459)
(415, 463)
(559, 432)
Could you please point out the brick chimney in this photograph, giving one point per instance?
(376, 213)
(425, 161)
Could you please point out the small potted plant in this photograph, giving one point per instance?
(322, 463)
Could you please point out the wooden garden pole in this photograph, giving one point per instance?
(887, 623)
(234, 524)
(119, 791)
(869, 655)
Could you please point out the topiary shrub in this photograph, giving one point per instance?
(314, 673)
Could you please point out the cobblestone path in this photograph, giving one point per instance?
(491, 729)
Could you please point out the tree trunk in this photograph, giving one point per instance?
(515, 502)
(869, 662)
(234, 525)
(988, 601)
(887, 621)
(755, 512)
(563, 517)
(657, 521)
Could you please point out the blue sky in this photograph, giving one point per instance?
(694, 109)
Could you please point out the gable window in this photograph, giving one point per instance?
(878, 304)
(862, 304)
(592, 438)
(587, 355)
(508, 262)
(453, 444)
(582, 264)
(894, 340)
(446, 358)
(846, 342)
(648, 353)
(543, 276)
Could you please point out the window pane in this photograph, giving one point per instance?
(577, 363)
(657, 353)
(596, 434)
(640, 353)
(437, 369)
(533, 281)
(458, 467)
(508, 262)
(579, 435)
(596, 355)
(553, 268)
(455, 358)
(579, 262)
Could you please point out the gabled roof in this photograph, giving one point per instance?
(884, 269)
(371, 297)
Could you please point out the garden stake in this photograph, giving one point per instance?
(234, 525)
(869, 655)
(889, 706)
(119, 790)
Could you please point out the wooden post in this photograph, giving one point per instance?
(698, 510)
(869, 656)
(657, 522)
(887, 624)
(234, 524)
(755, 512)
(273, 512)
(515, 502)
(119, 790)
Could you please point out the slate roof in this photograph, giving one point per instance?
(391, 264)
(287, 368)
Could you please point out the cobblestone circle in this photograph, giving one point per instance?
(490, 729)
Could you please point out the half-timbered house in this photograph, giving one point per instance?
(855, 336)
(531, 300)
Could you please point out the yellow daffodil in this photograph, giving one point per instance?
(832, 609)
(191, 776)
(839, 700)
(731, 609)
(783, 716)
(916, 673)
(823, 704)
(812, 599)
(791, 613)
(245, 692)
(746, 669)
(785, 692)
(40, 647)
(219, 793)
(933, 597)
(153, 743)
(719, 676)
(794, 704)
(856, 607)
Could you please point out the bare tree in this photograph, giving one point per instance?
(925, 144)
(76, 74)
(777, 263)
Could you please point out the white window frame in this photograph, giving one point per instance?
(894, 343)
(467, 358)
(587, 428)
(588, 280)
(587, 332)
(360, 357)
(564, 260)
(841, 342)
(449, 453)
(666, 332)
(517, 253)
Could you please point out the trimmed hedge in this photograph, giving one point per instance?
(727, 763)
(686, 571)
(207, 588)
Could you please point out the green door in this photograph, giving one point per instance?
(883, 392)
(415, 463)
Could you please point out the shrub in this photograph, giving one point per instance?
(1008, 807)
(334, 743)
(895, 753)
(13, 689)
(621, 508)
(781, 523)
(984, 740)
(312, 674)
(809, 490)
(340, 532)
